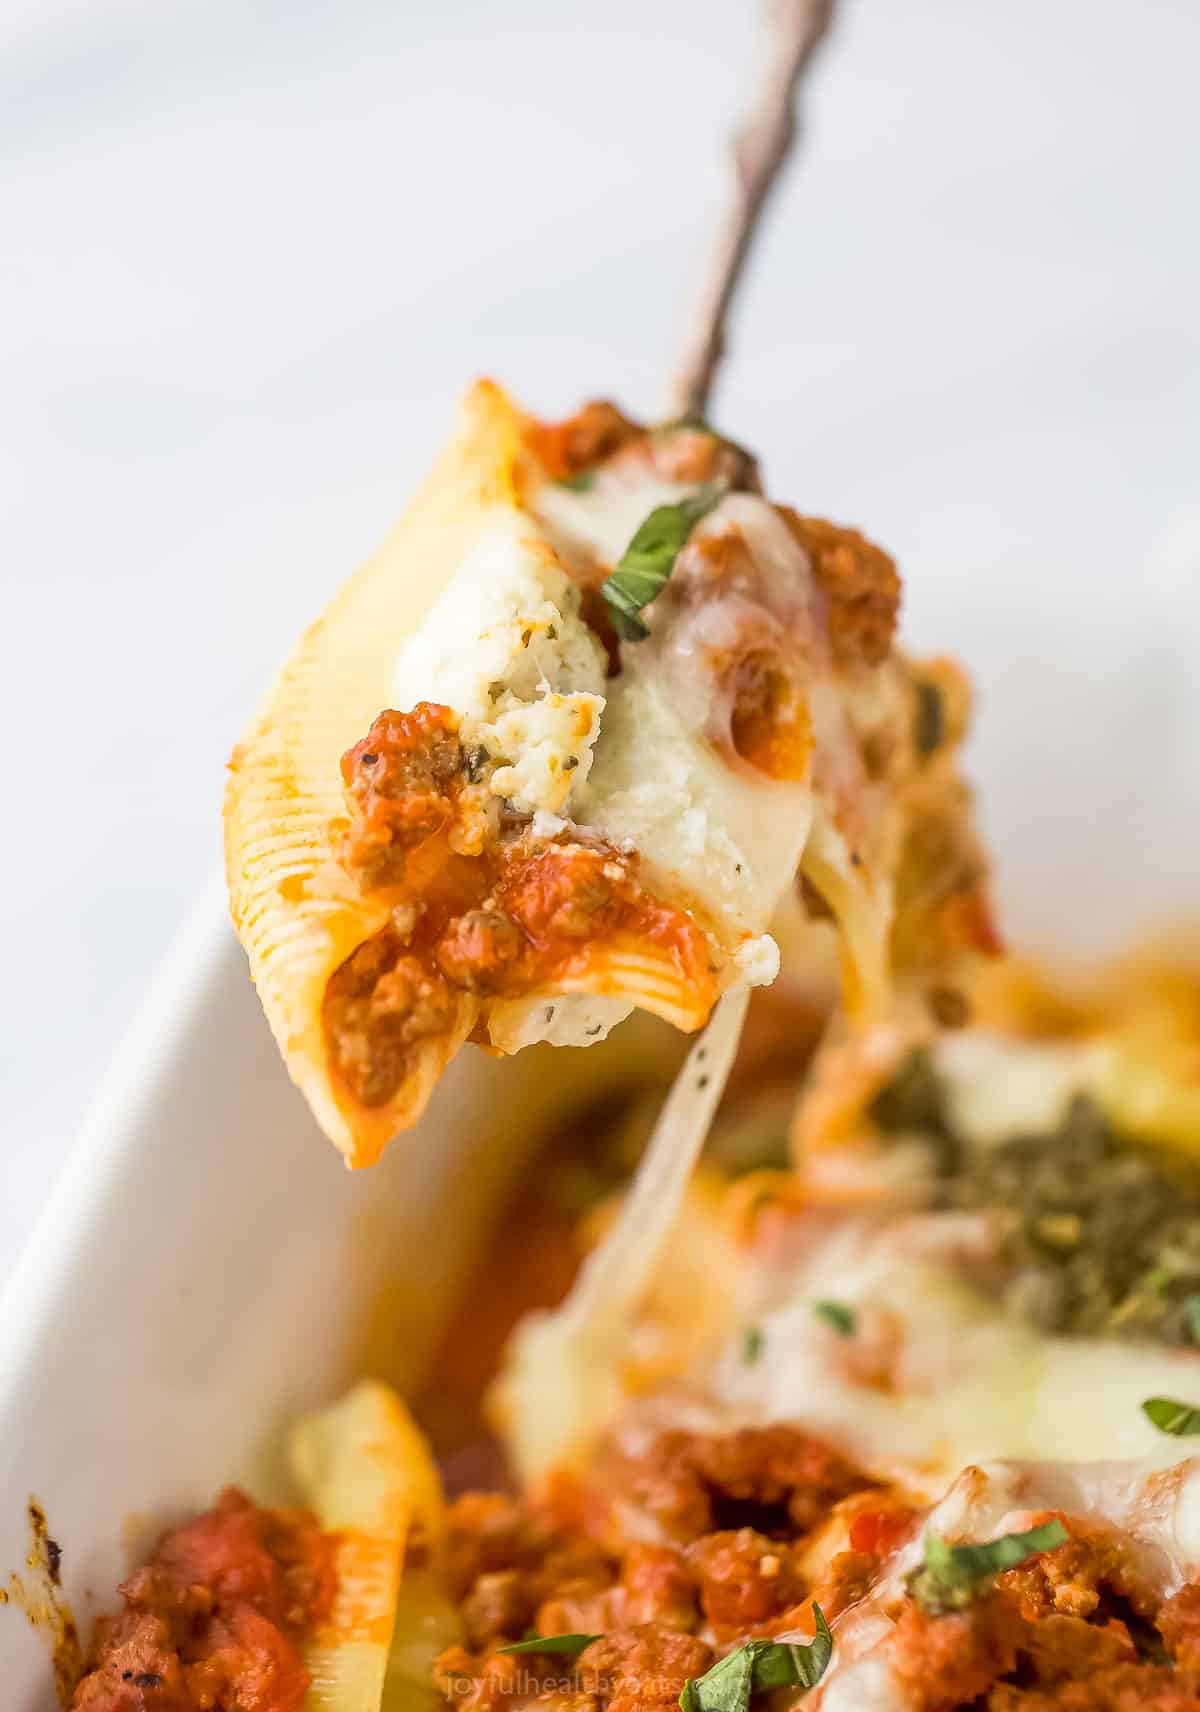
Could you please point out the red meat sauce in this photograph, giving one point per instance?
(732, 1515)
(670, 1558)
(1072, 1631)
(516, 914)
(729, 1514)
(601, 436)
(215, 1621)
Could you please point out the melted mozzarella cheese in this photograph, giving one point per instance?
(863, 1686)
(660, 783)
(564, 1374)
(660, 787)
(597, 523)
(998, 1087)
(936, 1376)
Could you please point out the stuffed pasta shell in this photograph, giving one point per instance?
(559, 751)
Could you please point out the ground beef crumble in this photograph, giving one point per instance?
(663, 1611)
(599, 435)
(595, 432)
(215, 1621)
(745, 1579)
(777, 1480)
(501, 920)
(1077, 1628)
(401, 779)
(378, 1006)
(634, 1669)
(690, 453)
(860, 583)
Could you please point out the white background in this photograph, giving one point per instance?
(250, 253)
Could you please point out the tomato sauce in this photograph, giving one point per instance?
(216, 1619)
(861, 587)
(474, 912)
(577, 443)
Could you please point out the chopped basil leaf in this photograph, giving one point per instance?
(951, 1576)
(752, 1344)
(758, 1665)
(1178, 1419)
(931, 720)
(580, 482)
(789, 1664)
(649, 559)
(692, 419)
(568, 1645)
(1191, 1315)
(724, 1688)
(837, 1315)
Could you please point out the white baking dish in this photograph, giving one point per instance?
(207, 1267)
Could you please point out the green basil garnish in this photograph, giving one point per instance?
(724, 1688)
(1178, 1419)
(727, 1687)
(752, 1344)
(931, 720)
(842, 1319)
(951, 1576)
(649, 559)
(692, 419)
(789, 1664)
(580, 482)
(568, 1645)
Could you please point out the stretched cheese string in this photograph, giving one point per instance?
(863, 921)
(615, 1275)
(562, 1380)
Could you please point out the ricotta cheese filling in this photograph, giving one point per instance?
(506, 648)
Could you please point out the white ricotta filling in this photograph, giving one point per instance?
(505, 647)
(569, 1019)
